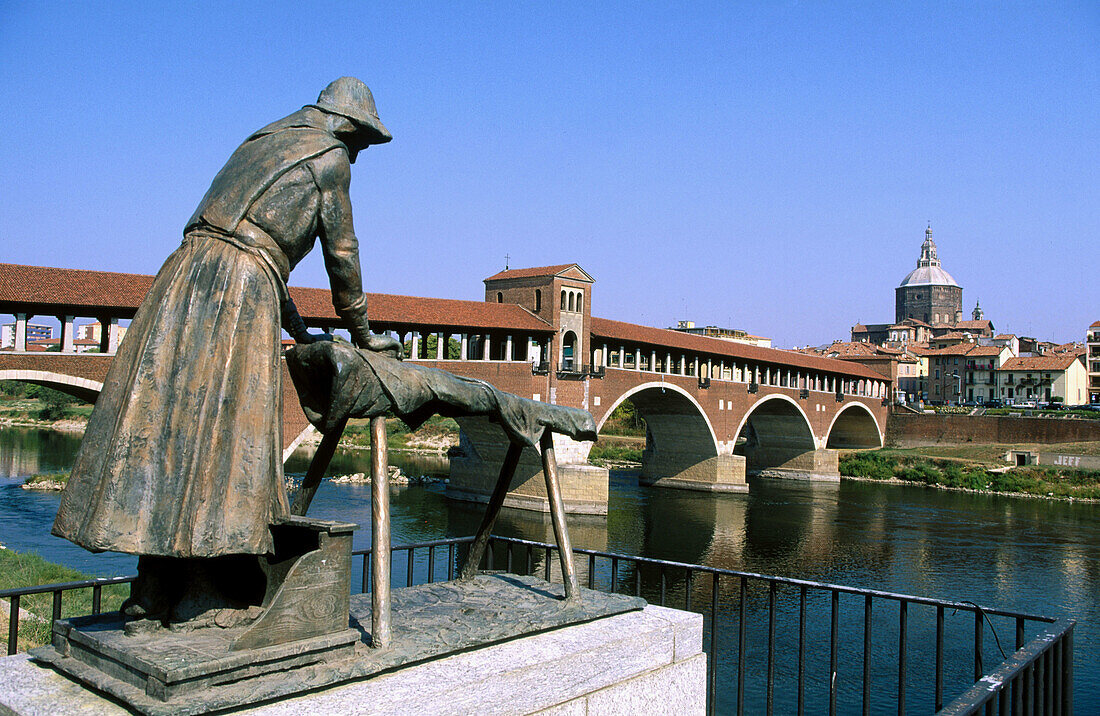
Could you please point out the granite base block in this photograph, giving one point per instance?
(628, 663)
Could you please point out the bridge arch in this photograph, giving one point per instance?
(681, 448)
(657, 391)
(81, 388)
(765, 416)
(854, 426)
(776, 434)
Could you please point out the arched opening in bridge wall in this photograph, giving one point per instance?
(854, 427)
(88, 391)
(80, 388)
(681, 449)
(569, 350)
(777, 440)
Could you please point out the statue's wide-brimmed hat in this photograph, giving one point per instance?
(351, 98)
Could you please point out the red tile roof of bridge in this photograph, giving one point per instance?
(61, 290)
(316, 304)
(70, 290)
(668, 338)
(42, 285)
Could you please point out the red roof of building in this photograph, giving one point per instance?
(533, 271)
(953, 335)
(668, 338)
(986, 351)
(960, 349)
(1047, 362)
(982, 325)
(1095, 324)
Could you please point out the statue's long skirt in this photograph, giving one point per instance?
(182, 454)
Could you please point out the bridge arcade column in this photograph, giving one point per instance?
(67, 344)
(508, 349)
(20, 333)
(414, 345)
(108, 335)
(441, 341)
(464, 353)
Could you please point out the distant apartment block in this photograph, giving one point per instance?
(35, 333)
(725, 334)
(1092, 358)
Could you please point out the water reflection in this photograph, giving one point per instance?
(1030, 555)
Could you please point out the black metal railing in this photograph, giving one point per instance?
(540, 368)
(776, 642)
(569, 369)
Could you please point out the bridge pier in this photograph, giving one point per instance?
(719, 473)
(475, 469)
(821, 465)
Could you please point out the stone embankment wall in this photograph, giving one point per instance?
(903, 430)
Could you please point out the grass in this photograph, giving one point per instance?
(615, 451)
(969, 474)
(398, 434)
(62, 477)
(991, 454)
(27, 570)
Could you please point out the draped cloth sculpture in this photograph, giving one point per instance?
(336, 381)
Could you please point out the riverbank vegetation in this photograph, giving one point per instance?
(969, 473)
(437, 434)
(26, 404)
(28, 570)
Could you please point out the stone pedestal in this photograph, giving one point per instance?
(629, 663)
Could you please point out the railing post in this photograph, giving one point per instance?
(380, 535)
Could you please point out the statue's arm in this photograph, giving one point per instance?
(340, 248)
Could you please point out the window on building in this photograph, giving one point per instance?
(580, 302)
(563, 299)
(570, 300)
(500, 297)
(538, 300)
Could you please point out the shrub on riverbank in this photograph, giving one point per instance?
(26, 570)
(436, 434)
(608, 451)
(46, 481)
(1032, 480)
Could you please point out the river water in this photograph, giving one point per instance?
(1020, 554)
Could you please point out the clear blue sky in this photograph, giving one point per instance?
(767, 166)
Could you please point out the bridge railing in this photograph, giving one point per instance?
(774, 642)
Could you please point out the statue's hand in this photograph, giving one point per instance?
(382, 344)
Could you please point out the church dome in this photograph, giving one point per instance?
(928, 271)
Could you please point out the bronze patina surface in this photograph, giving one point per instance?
(237, 600)
(182, 455)
(204, 674)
